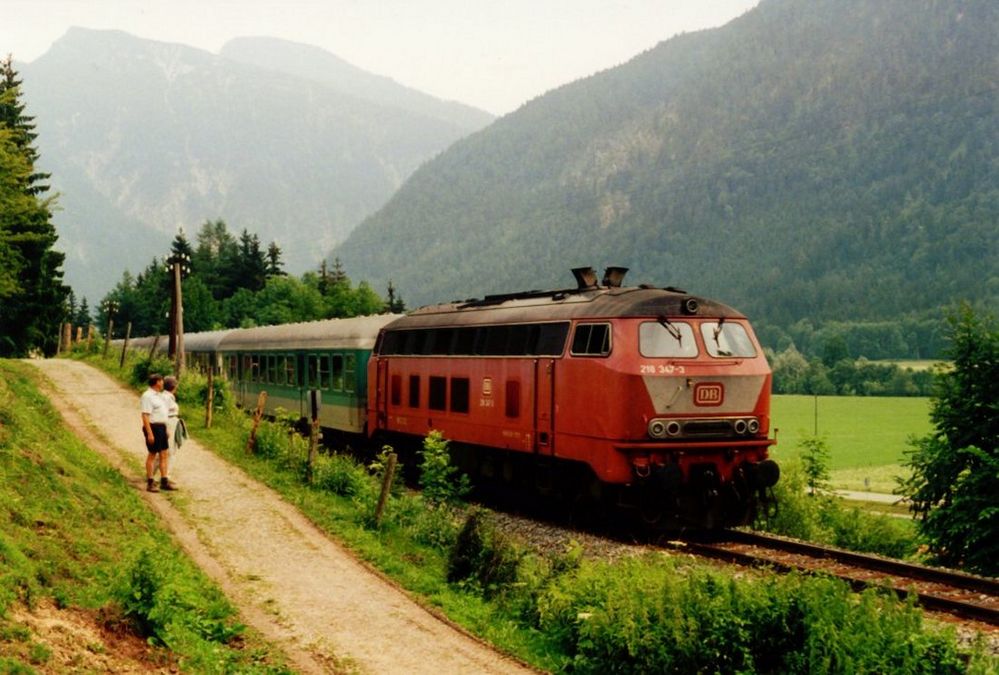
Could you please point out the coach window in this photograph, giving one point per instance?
(290, 374)
(727, 340)
(312, 371)
(591, 339)
(414, 391)
(438, 393)
(459, 394)
(338, 372)
(324, 372)
(350, 372)
(666, 339)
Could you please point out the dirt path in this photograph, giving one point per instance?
(291, 582)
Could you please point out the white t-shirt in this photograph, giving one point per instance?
(154, 404)
(172, 408)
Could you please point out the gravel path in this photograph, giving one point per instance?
(299, 588)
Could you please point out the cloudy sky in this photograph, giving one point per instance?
(493, 54)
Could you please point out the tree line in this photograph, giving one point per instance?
(32, 294)
(233, 281)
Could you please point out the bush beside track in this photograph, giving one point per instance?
(567, 612)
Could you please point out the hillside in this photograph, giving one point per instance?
(313, 63)
(811, 159)
(143, 137)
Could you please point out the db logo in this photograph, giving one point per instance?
(709, 394)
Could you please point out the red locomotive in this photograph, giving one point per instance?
(658, 397)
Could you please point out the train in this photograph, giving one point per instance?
(653, 399)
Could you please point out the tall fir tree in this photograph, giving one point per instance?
(30, 313)
(274, 264)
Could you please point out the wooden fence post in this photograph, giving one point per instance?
(210, 402)
(152, 350)
(386, 488)
(315, 402)
(257, 414)
(90, 337)
(67, 337)
(124, 345)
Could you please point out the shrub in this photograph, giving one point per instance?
(145, 366)
(482, 555)
(437, 474)
(434, 525)
(340, 475)
(650, 615)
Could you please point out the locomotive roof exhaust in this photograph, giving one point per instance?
(613, 276)
(586, 277)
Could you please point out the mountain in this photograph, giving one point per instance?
(144, 137)
(313, 63)
(812, 159)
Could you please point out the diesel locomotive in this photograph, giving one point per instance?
(651, 398)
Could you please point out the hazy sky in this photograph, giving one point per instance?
(492, 54)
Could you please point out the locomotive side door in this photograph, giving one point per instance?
(381, 396)
(544, 406)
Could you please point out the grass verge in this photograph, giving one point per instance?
(74, 534)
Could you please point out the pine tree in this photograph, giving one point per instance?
(31, 313)
(274, 264)
(82, 316)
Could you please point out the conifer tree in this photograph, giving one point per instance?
(33, 306)
(274, 264)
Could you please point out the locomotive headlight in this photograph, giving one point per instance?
(657, 429)
(753, 425)
(673, 428)
(740, 426)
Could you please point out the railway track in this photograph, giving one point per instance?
(956, 593)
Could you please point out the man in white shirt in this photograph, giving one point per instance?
(154, 428)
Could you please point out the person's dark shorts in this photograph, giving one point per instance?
(160, 440)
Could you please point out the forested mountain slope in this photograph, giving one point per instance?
(143, 137)
(812, 159)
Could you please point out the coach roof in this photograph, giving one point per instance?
(356, 333)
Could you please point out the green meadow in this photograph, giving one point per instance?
(866, 435)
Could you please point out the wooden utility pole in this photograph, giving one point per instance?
(152, 350)
(178, 328)
(107, 337)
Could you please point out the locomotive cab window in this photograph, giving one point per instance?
(726, 339)
(591, 339)
(666, 339)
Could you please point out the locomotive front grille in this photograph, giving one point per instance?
(712, 427)
(707, 428)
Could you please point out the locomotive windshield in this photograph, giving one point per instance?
(673, 339)
(727, 339)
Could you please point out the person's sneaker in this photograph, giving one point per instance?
(151, 485)
(165, 484)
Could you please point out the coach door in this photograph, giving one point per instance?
(544, 406)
